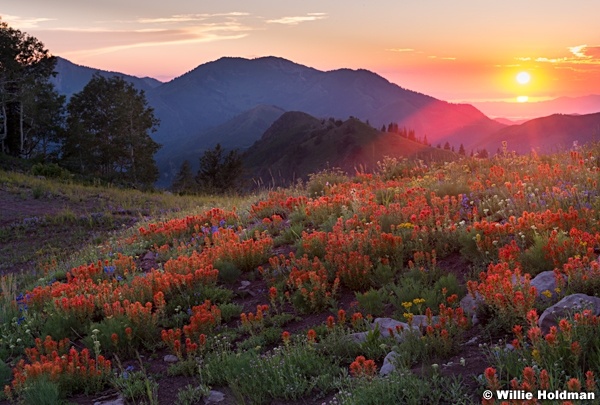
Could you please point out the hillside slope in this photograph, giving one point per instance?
(298, 144)
(547, 134)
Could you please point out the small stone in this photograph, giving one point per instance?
(244, 284)
(170, 358)
(359, 337)
(388, 364)
(471, 341)
(214, 397)
(118, 401)
(470, 304)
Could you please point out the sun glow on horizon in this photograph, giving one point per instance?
(523, 77)
(522, 99)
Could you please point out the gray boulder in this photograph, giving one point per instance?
(566, 307)
(545, 281)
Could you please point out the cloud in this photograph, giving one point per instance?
(577, 50)
(22, 22)
(295, 20)
(180, 29)
(182, 18)
(91, 42)
(578, 55)
(400, 50)
(441, 57)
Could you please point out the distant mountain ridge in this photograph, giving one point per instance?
(550, 134)
(72, 78)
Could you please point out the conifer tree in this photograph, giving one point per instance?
(184, 182)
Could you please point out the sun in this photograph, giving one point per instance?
(522, 99)
(523, 78)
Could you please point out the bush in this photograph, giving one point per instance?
(371, 302)
(319, 183)
(50, 170)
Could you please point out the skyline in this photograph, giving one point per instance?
(461, 51)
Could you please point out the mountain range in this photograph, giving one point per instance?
(72, 78)
(234, 101)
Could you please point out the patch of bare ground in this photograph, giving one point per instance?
(34, 229)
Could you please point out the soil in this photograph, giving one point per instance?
(33, 231)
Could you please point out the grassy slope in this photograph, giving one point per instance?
(45, 220)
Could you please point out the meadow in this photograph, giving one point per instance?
(412, 284)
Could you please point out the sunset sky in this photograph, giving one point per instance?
(462, 50)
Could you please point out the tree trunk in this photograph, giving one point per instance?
(22, 135)
(4, 132)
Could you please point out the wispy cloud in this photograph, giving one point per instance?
(23, 22)
(295, 20)
(113, 41)
(180, 29)
(577, 50)
(441, 57)
(577, 55)
(400, 50)
(183, 18)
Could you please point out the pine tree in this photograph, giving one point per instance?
(184, 182)
(219, 173)
(461, 150)
(25, 69)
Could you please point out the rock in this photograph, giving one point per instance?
(388, 364)
(398, 328)
(567, 306)
(359, 337)
(170, 358)
(545, 281)
(471, 341)
(118, 401)
(149, 256)
(470, 304)
(244, 284)
(420, 321)
(214, 397)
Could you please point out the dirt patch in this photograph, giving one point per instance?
(34, 231)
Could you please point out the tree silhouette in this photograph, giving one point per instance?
(184, 182)
(219, 173)
(25, 92)
(108, 132)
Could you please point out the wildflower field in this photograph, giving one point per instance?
(411, 285)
